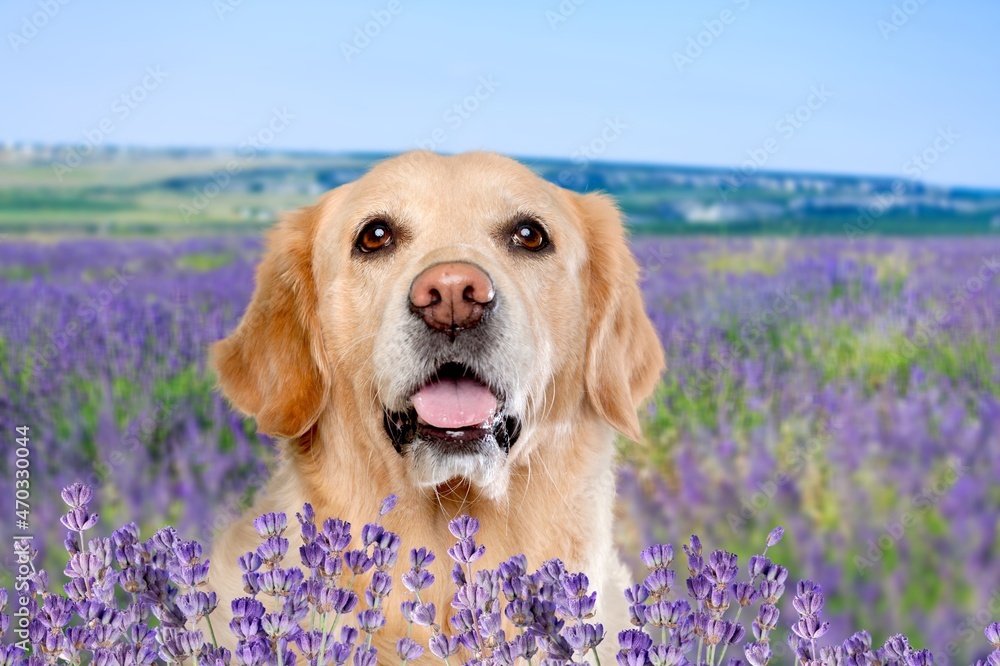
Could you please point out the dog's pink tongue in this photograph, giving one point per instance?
(454, 403)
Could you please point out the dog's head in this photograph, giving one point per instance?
(454, 307)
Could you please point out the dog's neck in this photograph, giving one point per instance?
(554, 505)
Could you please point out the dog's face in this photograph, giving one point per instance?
(453, 306)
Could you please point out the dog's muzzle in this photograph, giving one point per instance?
(453, 413)
(454, 409)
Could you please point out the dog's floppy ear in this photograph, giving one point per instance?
(272, 366)
(624, 356)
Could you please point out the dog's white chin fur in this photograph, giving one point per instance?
(485, 471)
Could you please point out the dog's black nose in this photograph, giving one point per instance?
(452, 296)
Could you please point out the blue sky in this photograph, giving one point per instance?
(554, 85)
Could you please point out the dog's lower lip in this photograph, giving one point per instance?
(402, 428)
(467, 434)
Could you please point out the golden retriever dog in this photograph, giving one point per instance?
(459, 332)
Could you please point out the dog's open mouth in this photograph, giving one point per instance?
(456, 410)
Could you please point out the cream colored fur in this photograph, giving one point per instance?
(318, 353)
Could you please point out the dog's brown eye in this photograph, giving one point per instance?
(375, 236)
(529, 236)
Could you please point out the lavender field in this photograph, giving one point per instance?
(849, 391)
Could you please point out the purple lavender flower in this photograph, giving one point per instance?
(992, 634)
(745, 594)
(470, 597)
(551, 572)
(310, 643)
(810, 627)
(666, 655)
(272, 550)
(699, 587)
(370, 620)
(337, 600)
(177, 645)
(423, 614)
(757, 564)
(515, 567)
(520, 647)
(340, 652)
(270, 524)
(721, 568)
(386, 551)
(659, 582)
(584, 637)
(312, 556)
(249, 562)
(371, 533)
(442, 646)
(252, 653)
(920, 658)
(79, 519)
(358, 561)
(766, 620)
(335, 536)
(658, 556)
(408, 650)
(634, 639)
(633, 648)
(420, 558)
(465, 551)
(896, 647)
(757, 654)
(388, 504)
(520, 613)
(548, 607)
(198, 604)
(77, 495)
(416, 580)
(11, 655)
(280, 582)
(463, 527)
